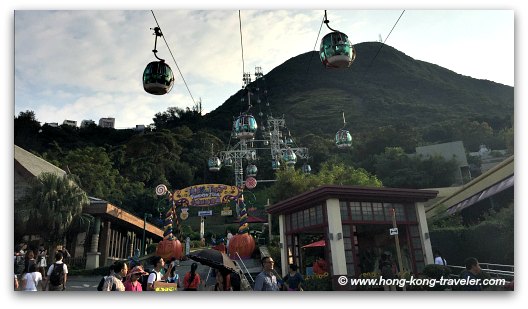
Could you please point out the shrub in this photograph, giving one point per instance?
(318, 283)
(436, 272)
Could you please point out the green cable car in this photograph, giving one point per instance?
(158, 78)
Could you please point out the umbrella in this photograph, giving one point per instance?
(214, 259)
(320, 243)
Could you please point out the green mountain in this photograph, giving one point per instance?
(382, 87)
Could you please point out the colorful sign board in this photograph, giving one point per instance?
(206, 195)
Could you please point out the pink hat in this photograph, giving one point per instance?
(137, 270)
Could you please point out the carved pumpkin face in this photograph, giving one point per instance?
(244, 244)
(169, 248)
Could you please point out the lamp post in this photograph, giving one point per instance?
(147, 215)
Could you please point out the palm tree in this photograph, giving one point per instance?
(51, 205)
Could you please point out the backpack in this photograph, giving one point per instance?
(235, 281)
(144, 280)
(102, 282)
(57, 275)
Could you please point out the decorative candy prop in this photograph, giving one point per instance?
(161, 190)
(170, 246)
(243, 243)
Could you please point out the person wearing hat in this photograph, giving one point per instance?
(132, 282)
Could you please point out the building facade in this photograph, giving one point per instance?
(107, 122)
(354, 223)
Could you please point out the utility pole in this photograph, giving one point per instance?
(397, 241)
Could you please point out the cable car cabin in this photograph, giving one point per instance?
(228, 162)
(343, 139)
(289, 141)
(306, 168)
(214, 164)
(275, 164)
(289, 157)
(251, 170)
(158, 78)
(245, 126)
(336, 50)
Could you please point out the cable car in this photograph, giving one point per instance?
(158, 78)
(251, 170)
(245, 126)
(214, 164)
(228, 162)
(336, 51)
(289, 157)
(343, 139)
(275, 164)
(306, 168)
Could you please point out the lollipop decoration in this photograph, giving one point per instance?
(170, 246)
(161, 190)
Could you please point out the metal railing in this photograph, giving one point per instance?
(246, 270)
(495, 270)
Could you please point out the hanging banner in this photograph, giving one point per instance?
(206, 195)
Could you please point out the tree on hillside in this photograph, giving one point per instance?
(51, 205)
(26, 130)
(398, 170)
(292, 182)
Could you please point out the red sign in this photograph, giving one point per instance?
(251, 182)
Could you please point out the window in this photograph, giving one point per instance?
(319, 214)
(306, 215)
(355, 209)
(377, 210)
(366, 207)
(344, 210)
(411, 212)
(388, 211)
(400, 213)
(313, 219)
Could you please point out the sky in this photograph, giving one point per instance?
(83, 65)
(88, 64)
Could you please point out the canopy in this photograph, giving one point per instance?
(320, 243)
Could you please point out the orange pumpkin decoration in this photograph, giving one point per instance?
(244, 244)
(168, 249)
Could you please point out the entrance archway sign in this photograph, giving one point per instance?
(206, 195)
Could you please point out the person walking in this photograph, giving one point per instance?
(132, 282)
(470, 274)
(266, 280)
(31, 279)
(438, 258)
(57, 275)
(191, 280)
(114, 282)
(42, 263)
(228, 239)
(293, 279)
